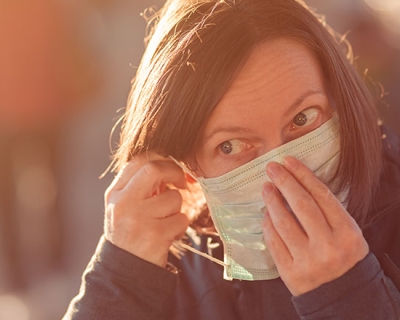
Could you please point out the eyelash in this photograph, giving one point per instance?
(240, 143)
(293, 127)
(308, 117)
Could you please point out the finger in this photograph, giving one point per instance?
(153, 244)
(124, 174)
(132, 166)
(276, 246)
(300, 201)
(283, 221)
(175, 226)
(165, 204)
(150, 178)
(330, 206)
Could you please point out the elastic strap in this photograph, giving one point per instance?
(185, 169)
(200, 253)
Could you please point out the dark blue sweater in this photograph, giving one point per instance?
(118, 285)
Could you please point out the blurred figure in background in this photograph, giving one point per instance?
(46, 73)
(65, 69)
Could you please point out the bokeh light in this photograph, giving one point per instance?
(388, 13)
(12, 307)
(383, 5)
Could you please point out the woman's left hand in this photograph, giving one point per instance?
(321, 241)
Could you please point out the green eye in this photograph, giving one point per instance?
(306, 117)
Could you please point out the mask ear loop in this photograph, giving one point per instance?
(200, 253)
(179, 243)
(184, 168)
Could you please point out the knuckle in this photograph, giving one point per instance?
(321, 191)
(151, 169)
(270, 240)
(282, 178)
(301, 204)
(302, 173)
(283, 224)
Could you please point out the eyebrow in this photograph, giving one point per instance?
(231, 129)
(239, 129)
(303, 97)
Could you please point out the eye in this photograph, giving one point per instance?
(306, 117)
(233, 146)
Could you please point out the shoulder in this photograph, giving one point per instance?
(387, 195)
(383, 230)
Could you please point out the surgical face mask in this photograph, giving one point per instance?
(237, 208)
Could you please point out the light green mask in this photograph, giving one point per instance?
(237, 207)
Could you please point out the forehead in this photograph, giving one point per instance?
(276, 73)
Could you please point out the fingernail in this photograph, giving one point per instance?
(273, 169)
(268, 187)
(291, 163)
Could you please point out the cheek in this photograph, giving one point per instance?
(208, 167)
(201, 165)
(328, 114)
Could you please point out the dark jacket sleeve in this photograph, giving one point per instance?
(119, 285)
(364, 292)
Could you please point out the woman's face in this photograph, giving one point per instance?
(279, 95)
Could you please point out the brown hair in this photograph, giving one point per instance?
(193, 55)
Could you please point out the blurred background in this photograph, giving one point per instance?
(65, 72)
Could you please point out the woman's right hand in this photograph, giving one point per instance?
(142, 215)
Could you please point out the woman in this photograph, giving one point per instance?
(255, 101)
